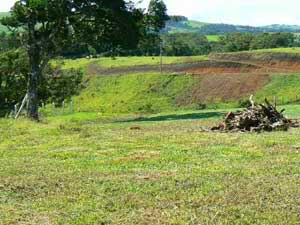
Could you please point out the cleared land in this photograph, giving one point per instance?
(159, 169)
(106, 165)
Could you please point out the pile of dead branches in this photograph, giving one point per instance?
(256, 118)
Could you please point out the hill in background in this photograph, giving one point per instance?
(180, 24)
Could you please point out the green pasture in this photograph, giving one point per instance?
(157, 169)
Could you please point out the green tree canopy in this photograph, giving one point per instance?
(51, 25)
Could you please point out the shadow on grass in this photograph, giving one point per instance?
(172, 117)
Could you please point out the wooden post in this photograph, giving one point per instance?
(22, 106)
(161, 57)
(71, 106)
(16, 110)
(63, 106)
(53, 108)
(275, 102)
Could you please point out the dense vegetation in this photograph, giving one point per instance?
(52, 28)
(186, 44)
(56, 86)
(3, 28)
(244, 42)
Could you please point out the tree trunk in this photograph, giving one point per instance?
(34, 53)
(33, 102)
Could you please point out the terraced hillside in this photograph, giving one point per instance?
(127, 85)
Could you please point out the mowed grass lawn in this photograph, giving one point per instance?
(159, 169)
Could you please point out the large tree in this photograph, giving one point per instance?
(157, 15)
(49, 26)
(153, 23)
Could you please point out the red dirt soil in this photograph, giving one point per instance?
(225, 77)
(224, 87)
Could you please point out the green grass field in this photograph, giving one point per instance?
(213, 38)
(151, 93)
(89, 169)
(130, 61)
(129, 154)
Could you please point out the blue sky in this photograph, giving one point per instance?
(246, 12)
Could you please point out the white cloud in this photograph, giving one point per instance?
(247, 12)
(5, 5)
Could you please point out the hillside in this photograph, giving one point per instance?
(184, 25)
(127, 85)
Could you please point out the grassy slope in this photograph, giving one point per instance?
(186, 26)
(130, 61)
(134, 93)
(157, 93)
(285, 86)
(95, 171)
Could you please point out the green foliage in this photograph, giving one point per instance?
(176, 19)
(60, 85)
(50, 27)
(156, 15)
(186, 44)
(266, 40)
(38, 3)
(236, 42)
(13, 79)
(9, 41)
(3, 28)
(153, 23)
(56, 84)
(243, 42)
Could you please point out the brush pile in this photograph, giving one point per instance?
(255, 118)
